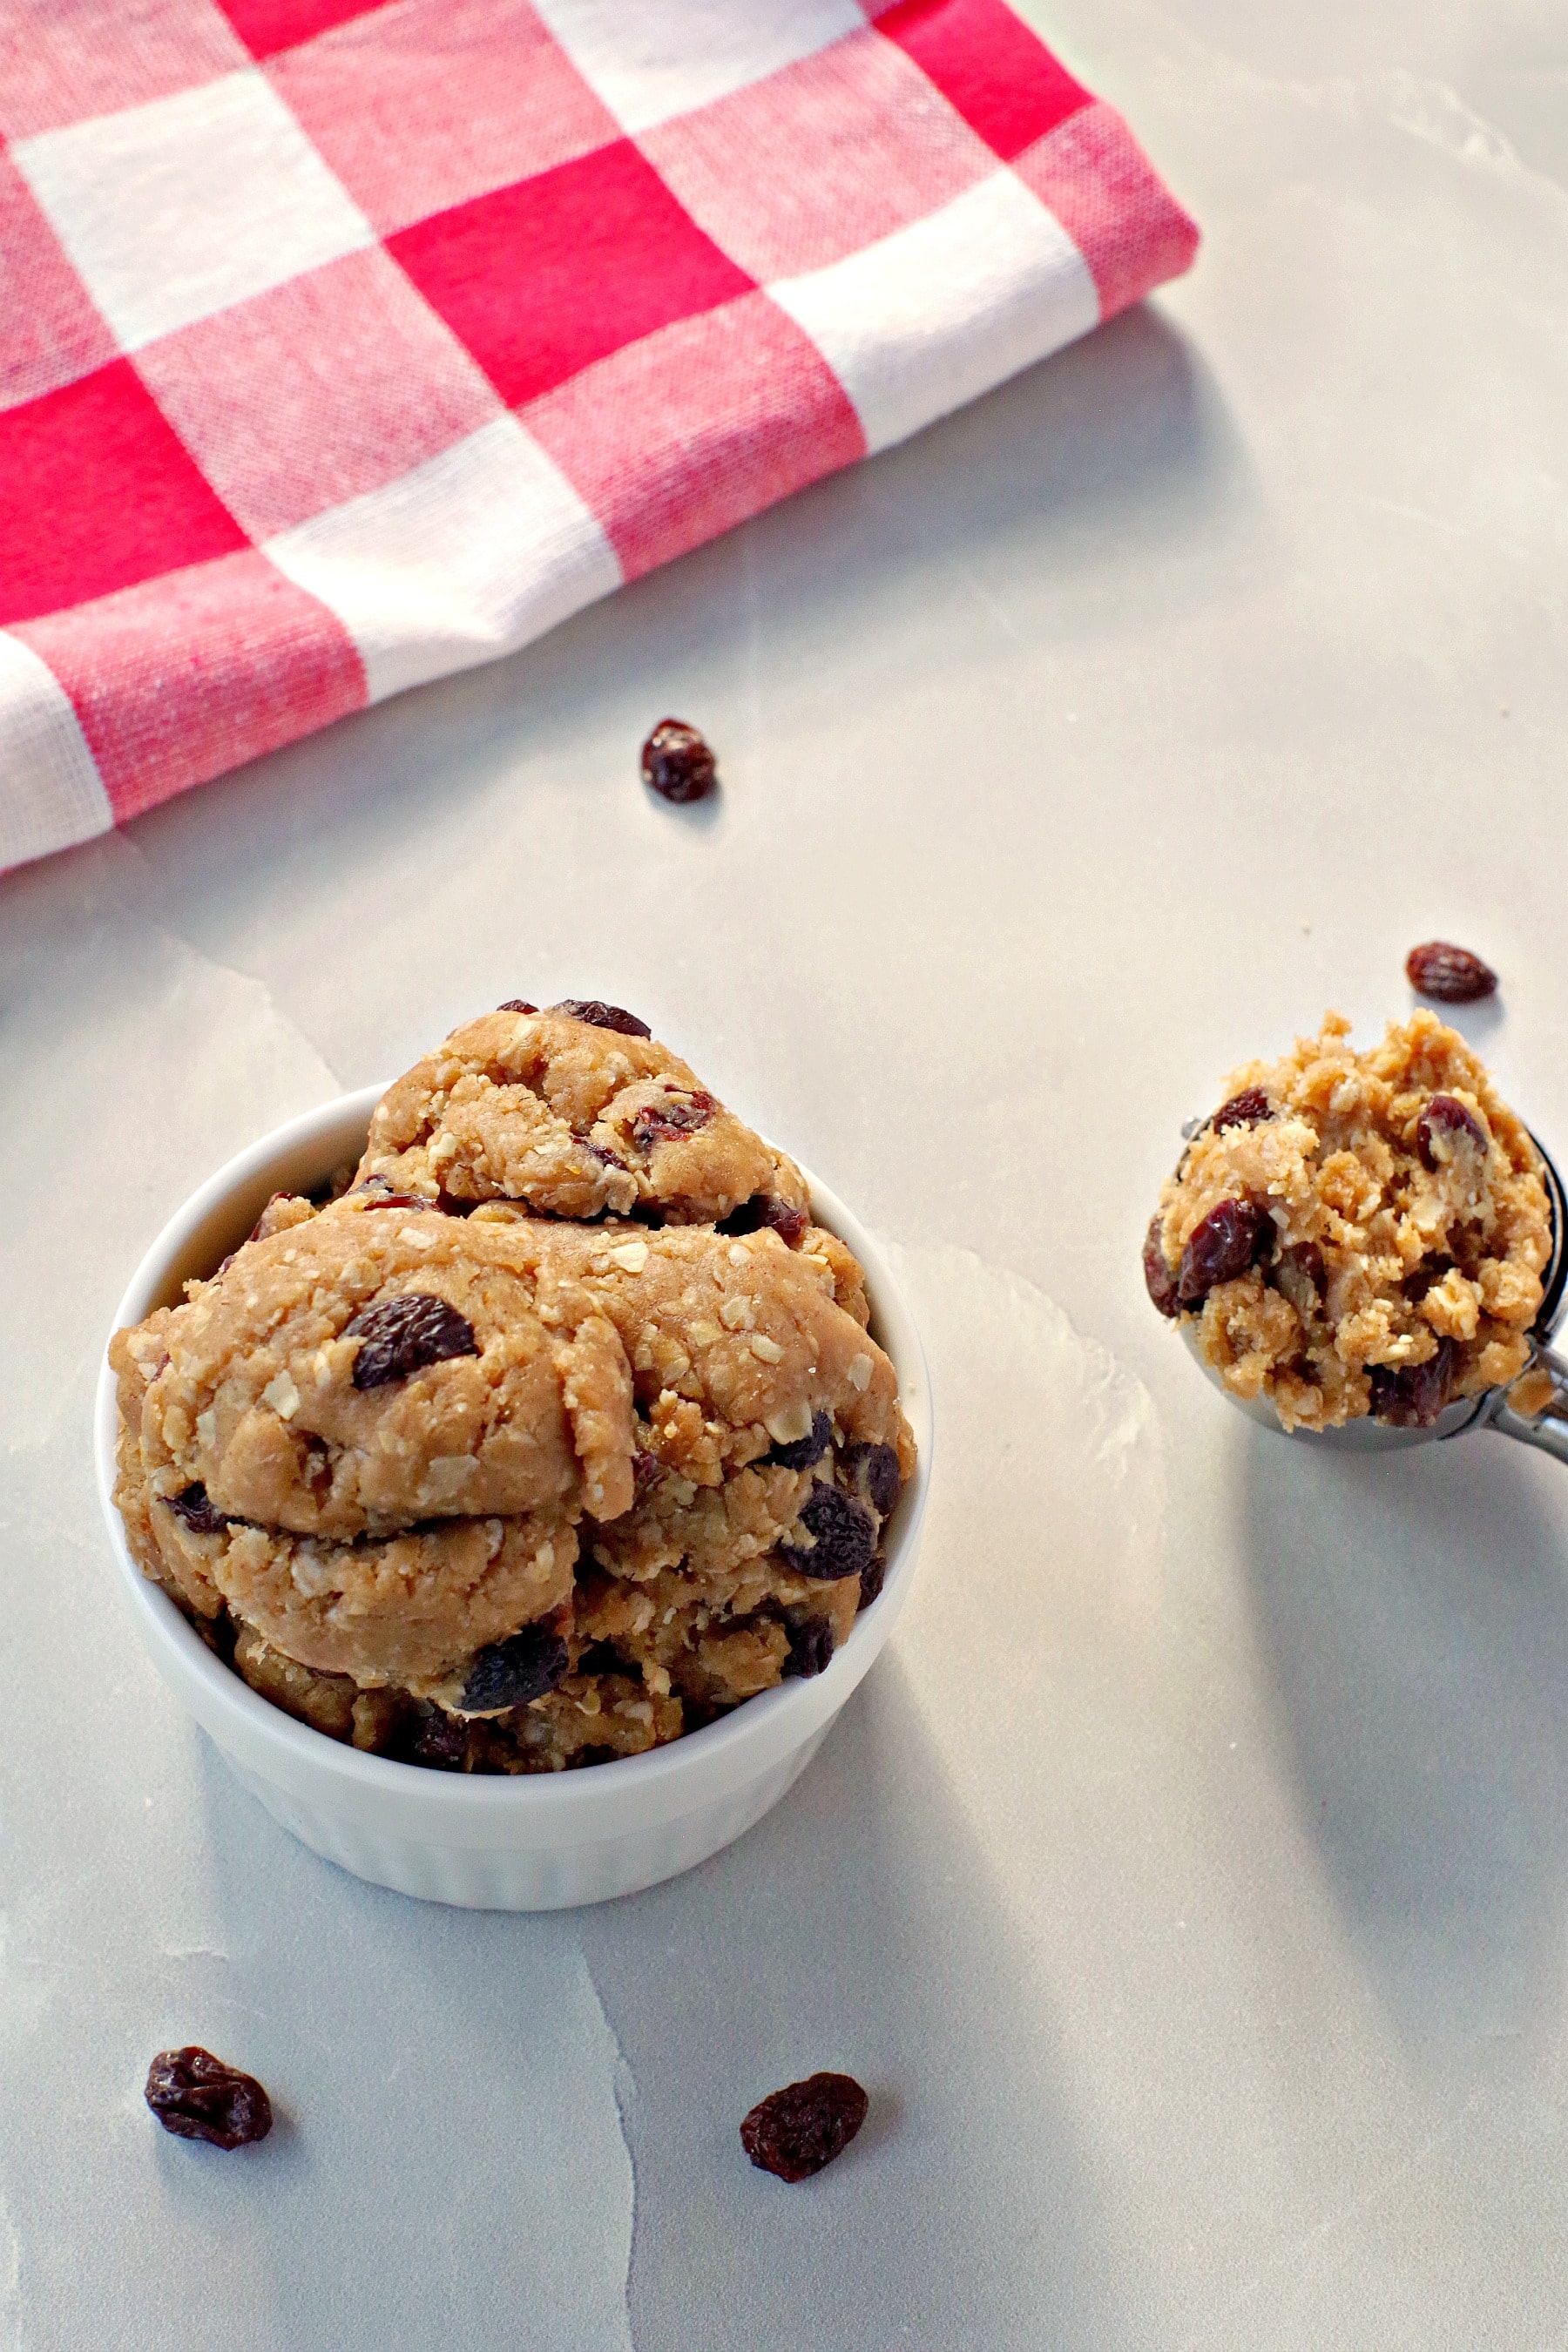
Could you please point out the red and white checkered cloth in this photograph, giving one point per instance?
(342, 344)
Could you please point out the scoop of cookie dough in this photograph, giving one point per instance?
(368, 1371)
(554, 1432)
(408, 1611)
(573, 1119)
(1355, 1234)
(376, 1439)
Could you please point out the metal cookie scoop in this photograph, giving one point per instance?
(1533, 1408)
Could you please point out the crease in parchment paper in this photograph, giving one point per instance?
(611, 2190)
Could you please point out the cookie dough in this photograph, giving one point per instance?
(365, 1371)
(573, 1119)
(1357, 1233)
(500, 1491)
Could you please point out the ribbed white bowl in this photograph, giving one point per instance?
(534, 1842)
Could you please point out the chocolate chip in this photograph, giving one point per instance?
(1414, 1396)
(871, 1580)
(404, 1334)
(1453, 975)
(672, 1120)
(201, 1516)
(510, 1673)
(602, 1016)
(1160, 1282)
(845, 1536)
(800, 1452)
(797, 2130)
(1244, 1109)
(196, 2096)
(810, 1647)
(873, 1472)
(763, 1210)
(677, 762)
(1444, 1128)
(1223, 1245)
(516, 1004)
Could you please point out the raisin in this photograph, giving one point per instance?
(1453, 975)
(1160, 1282)
(845, 1537)
(804, 2126)
(646, 1468)
(871, 1580)
(198, 1513)
(1222, 1247)
(677, 762)
(439, 1740)
(672, 1120)
(1413, 1396)
(1444, 1128)
(810, 1647)
(1244, 1109)
(196, 2096)
(763, 1210)
(403, 1335)
(510, 1673)
(873, 1472)
(602, 1016)
(800, 1452)
(516, 1004)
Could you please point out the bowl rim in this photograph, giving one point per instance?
(751, 1736)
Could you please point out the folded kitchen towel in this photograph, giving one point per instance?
(345, 345)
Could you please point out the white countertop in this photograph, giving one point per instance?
(1188, 1882)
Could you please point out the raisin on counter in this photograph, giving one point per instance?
(797, 2130)
(1453, 975)
(196, 2096)
(678, 763)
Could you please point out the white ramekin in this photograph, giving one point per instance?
(531, 1844)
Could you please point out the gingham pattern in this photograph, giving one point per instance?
(344, 345)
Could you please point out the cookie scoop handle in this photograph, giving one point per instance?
(1535, 1408)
